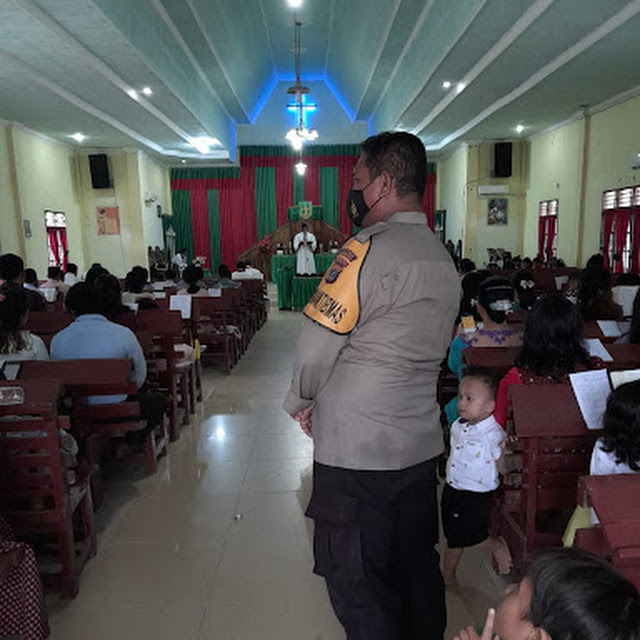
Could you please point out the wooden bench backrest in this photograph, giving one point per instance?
(497, 359)
(95, 376)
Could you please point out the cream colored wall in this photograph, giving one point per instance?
(613, 141)
(480, 235)
(556, 160)
(451, 192)
(458, 179)
(11, 238)
(154, 182)
(45, 180)
(37, 174)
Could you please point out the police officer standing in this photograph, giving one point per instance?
(364, 387)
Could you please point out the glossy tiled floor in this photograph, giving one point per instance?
(215, 544)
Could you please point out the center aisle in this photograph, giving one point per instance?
(215, 545)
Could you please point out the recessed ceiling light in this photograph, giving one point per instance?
(461, 86)
(296, 4)
(132, 93)
(446, 84)
(183, 161)
(78, 137)
(147, 91)
(520, 128)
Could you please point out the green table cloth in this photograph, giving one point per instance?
(303, 288)
(283, 270)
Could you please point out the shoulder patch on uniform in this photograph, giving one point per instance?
(335, 304)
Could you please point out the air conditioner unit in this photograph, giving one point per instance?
(493, 189)
(634, 161)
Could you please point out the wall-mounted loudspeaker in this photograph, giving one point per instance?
(502, 152)
(99, 168)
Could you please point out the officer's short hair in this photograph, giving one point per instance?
(402, 155)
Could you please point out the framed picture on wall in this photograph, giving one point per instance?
(108, 221)
(497, 211)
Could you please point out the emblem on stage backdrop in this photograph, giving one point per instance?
(306, 209)
(108, 221)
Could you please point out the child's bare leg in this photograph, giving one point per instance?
(451, 561)
(500, 552)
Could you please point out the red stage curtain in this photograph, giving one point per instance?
(200, 225)
(622, 225)
(429, 200)
(608, 218)
(62, 237)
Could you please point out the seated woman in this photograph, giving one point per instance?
(194, 286)
(108, 288)
(495, 301)
(16, 342)
(594, 295)
(552, 348)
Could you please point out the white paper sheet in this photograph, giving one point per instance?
(609, 328)
(158, 286)
(591, 389)
(159, 295)
(214, 292)
(622, 377)
(596, 349)
(624, 296)
(181, 304)
(561, 281)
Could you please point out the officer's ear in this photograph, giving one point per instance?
(386, 184)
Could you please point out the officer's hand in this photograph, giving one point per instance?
(304, 418)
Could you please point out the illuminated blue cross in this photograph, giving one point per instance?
(301, 109)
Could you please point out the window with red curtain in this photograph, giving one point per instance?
(620, 232)
(57, 248)
(548, 229)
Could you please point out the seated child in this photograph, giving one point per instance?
(472, 474)
(567, 594)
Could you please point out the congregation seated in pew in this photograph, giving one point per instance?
(91, 335)
(17, 342)
(552, 348)
(12, 271)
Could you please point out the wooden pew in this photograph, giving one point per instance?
(35, 496)
(551, 451)
(211, 327)
(167, 370)
(625, 356)
(93, 425)
(47, 323)
(497, 359)
(615, 501)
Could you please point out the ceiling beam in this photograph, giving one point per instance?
(607, 27)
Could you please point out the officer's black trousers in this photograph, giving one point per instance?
(374, 540)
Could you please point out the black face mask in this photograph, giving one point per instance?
(357, 208)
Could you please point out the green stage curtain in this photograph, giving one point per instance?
(214, 228)
(329, 195)
(298, 188)
(267, 151)
(266, 208)
(181, 201)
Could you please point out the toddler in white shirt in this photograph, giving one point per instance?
(472, 474)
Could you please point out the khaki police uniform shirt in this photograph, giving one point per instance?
(371, 345)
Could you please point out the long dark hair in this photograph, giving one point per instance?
(552, 342)
(595, 284)
(524, 286)
(622, 425)
(575, 595)
(191, 275)
(494, 291)
(14, 304)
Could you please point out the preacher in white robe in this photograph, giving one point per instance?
(304, 244)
